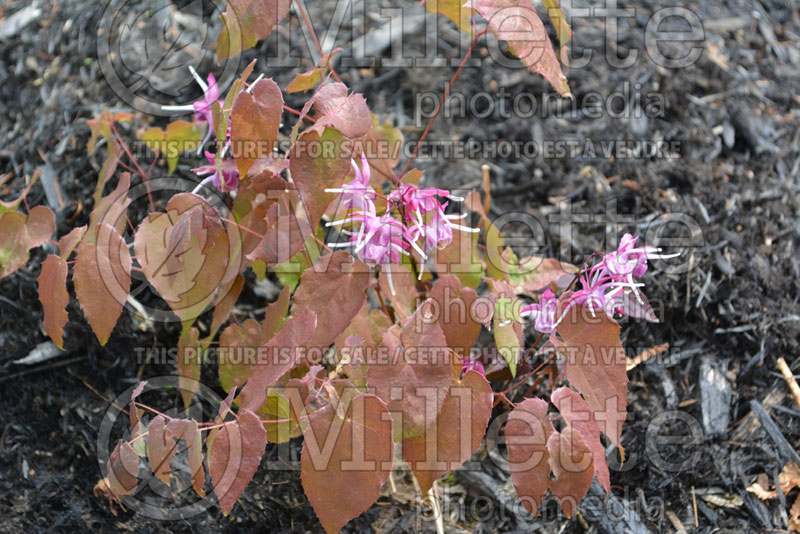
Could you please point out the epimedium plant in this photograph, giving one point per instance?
(360, 354)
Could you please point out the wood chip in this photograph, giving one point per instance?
(790, 381)
(676, 522)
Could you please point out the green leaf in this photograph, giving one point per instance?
(180, 136)
(277, 408)
(563, 31)
(305, 81)
(507, 323)
(455, 10)
(239, 345)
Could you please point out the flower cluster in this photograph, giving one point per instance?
(226, 177)
(381, 239)
(606, 286)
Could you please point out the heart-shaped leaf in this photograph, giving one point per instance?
(455, 434)
(348, 457)
(319, 161)
(277, 357)
(412, 374)
(234, 455)
(334, 289)
(579, 416)
(596, 365)
(255, 119)
(102, 279)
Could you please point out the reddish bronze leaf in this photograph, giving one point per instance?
(368, 327)
(277, 357)
(595, 365)
(224, 302)
(68, 243)
(186, 254)
(517, 22)
(111, 208)
(404, 299)
(189, 364)
(334, 290)
(457, 316)
(571, 463)
(255, 120)
(284, 236)
(102, 280)
(319, 161)
(527, 432)
(579, 417)
(40, 225)
(13, 242)
(412, 373)
(234, 455)
(160, 448)
(345, 461)
(455, 434)
(123, 466)
(275, 315)
(19, 234)
(54, 297)
(247, 21)
(188, 431)
(348, 113)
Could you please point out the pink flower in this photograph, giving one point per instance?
(418, 203)
(543, 313)
(472, 364)
(230, 174)
(606, 287)
(379, 240)
(202, 108)
(357, 194)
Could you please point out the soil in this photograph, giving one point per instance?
(730, 119)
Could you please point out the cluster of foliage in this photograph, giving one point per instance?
(360, 353)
